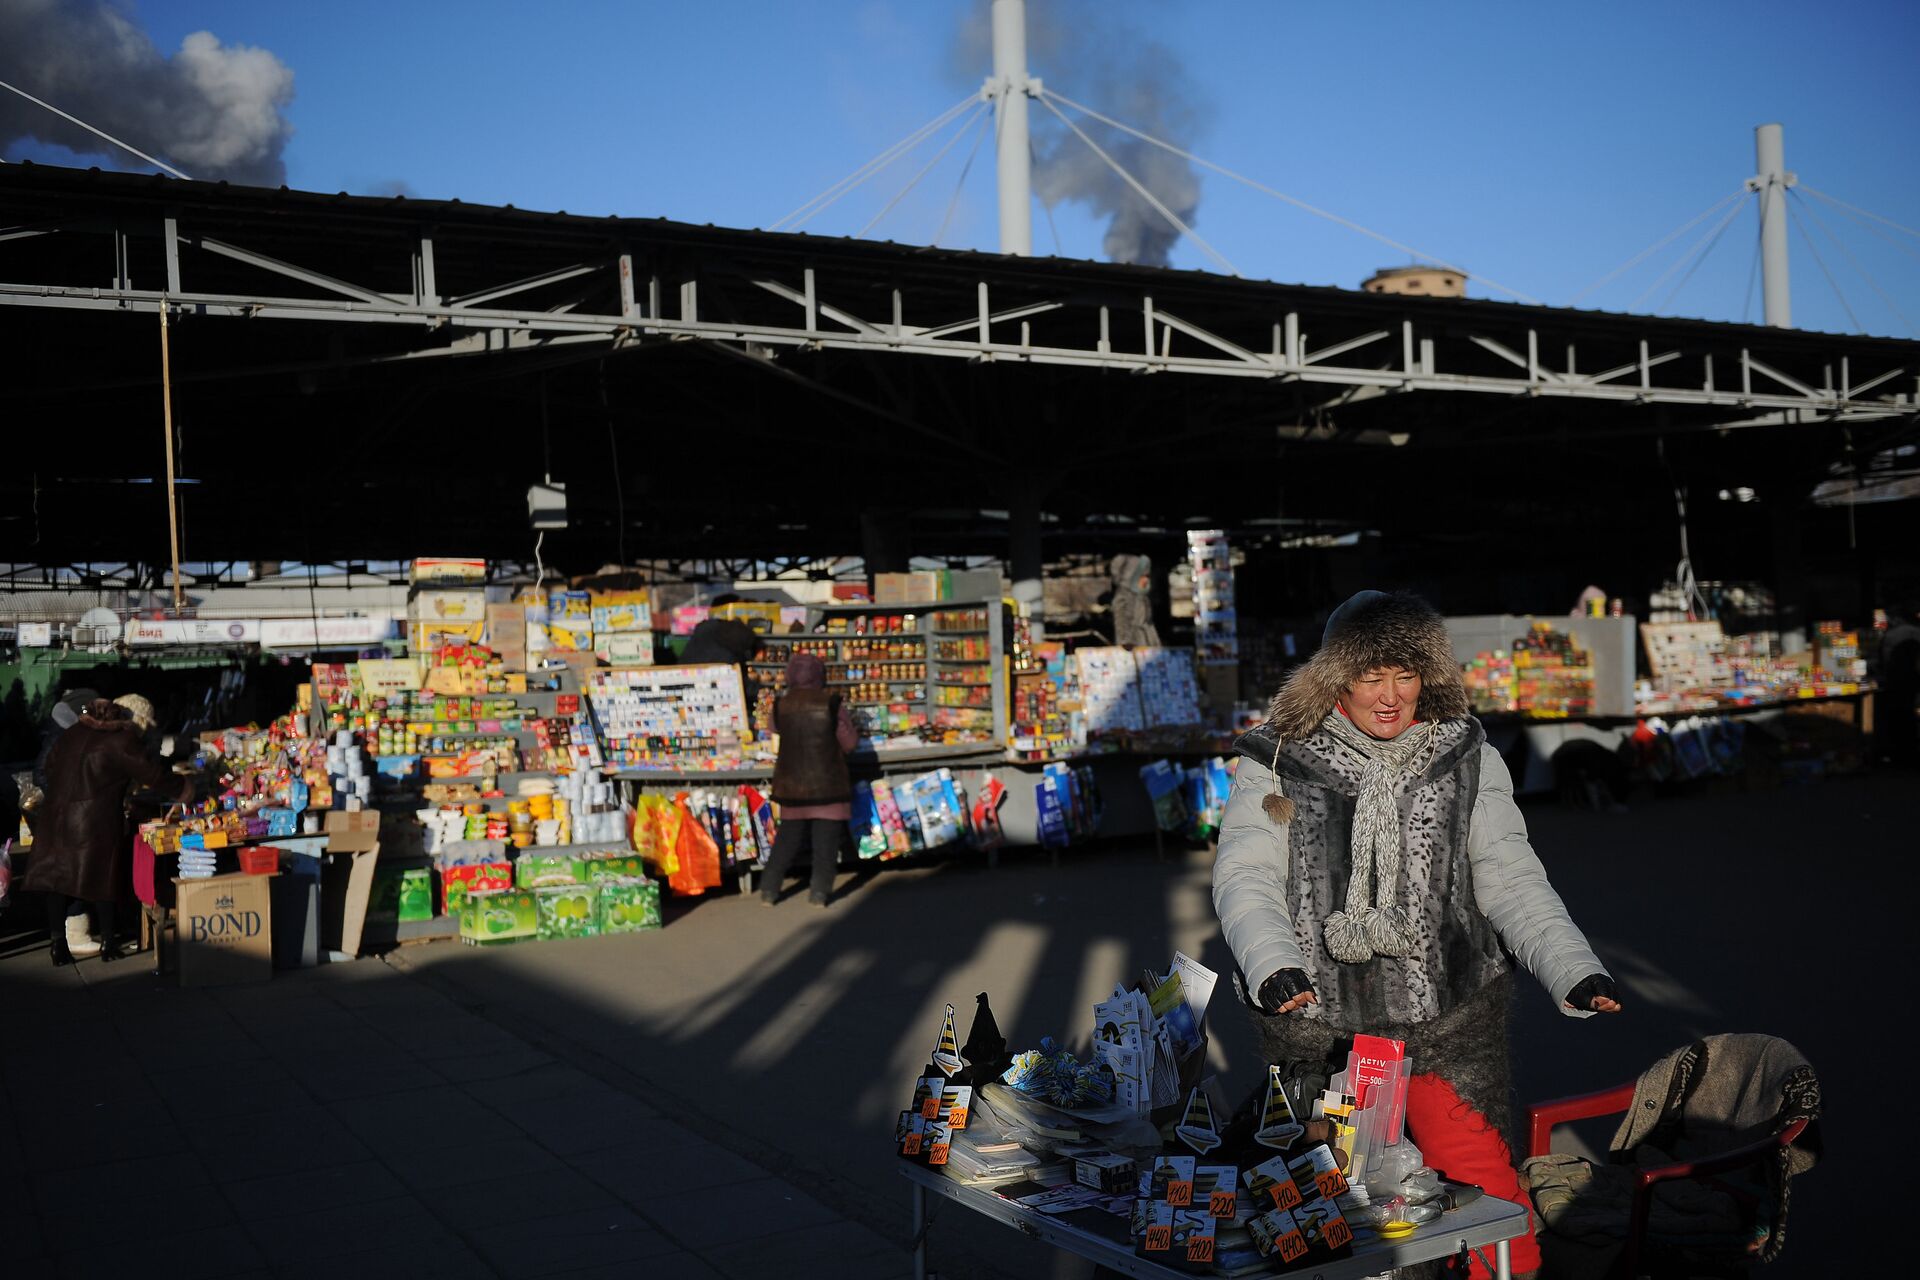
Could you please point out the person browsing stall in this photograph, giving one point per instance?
(82, 847)
(1374, 876)
(810, 780)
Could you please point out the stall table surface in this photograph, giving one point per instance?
(1484, 1222)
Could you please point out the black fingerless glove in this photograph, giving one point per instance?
(1594, 987)
(1282, 987)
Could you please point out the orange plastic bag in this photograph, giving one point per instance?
(697, 854)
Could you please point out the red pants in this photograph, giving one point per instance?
(1458, 1143)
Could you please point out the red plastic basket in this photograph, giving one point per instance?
(260, 860)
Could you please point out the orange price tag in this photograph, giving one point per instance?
(1159, 1239)
(1222, 1205)
(1292, 1246)
(1200, 1249)
(1331, 1183)
(1285, 1195)
(938, 1155)
(930, 1109)
(957, 1117)
(911, 1147)
(1180, 1194)
(1338, 1233)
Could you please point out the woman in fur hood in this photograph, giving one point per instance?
(1374, 876)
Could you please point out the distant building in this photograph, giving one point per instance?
(1428, 282)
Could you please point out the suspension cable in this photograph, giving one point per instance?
(1144, 194)
(1656, 246)
(1241, 178)
(98, 133)
(965, 169)
(1814, 249)
(1841, 245)
(1705, 239)
(814, 206)
(914, 181)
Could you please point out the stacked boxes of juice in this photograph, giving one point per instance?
(1490, 682)
(1553, 678)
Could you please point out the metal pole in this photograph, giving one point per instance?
(1772, 182)
(166, 415)
(1010, 104)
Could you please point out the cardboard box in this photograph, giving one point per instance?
(510, 915)
(628, 905)
(346, 878)
(624, 649)
(448, 569)
(224, 929)
(507, 634)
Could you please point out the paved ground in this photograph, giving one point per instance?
(714, 1097)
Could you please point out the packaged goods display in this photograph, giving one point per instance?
(1216, 626)
(911, 680)
(1131, 691)
(892, 818)
(1490, 683)
(1553, 677)
(671, 717)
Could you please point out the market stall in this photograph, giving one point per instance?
(1132, 1156)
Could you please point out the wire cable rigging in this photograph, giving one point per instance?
(1656, 246)
(1048, 96)
(1704, 255)
(814, 206)
(965, 169)
(1847, 253)
(1852, 208)
(1852, 214)
(1172, 218)
(914, 181)
(1753, 273)
(98, 133)
(1794, 212)
(1705, 240)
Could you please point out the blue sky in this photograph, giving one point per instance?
(1538, 145)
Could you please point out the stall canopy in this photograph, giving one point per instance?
(353, 374)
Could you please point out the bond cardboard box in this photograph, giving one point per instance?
(346, 878)
(225, 930)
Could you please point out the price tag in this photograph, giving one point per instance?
(911, 1147)
(1200, 1249)
(1223, 1204)
(938, 1153)
(1292, 1246)
(930, 1108)
(1338, 1233)
(1159, 1239)
(957, 1117)
(1331, 1183)
(1180, 1194)
(1285, 1195)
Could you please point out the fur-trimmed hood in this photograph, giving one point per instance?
(1371, 630)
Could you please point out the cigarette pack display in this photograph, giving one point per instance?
(1106, 1171)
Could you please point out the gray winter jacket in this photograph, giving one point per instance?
(1510, 888)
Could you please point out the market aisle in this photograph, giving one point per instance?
(1709, 908)
(351, 1120)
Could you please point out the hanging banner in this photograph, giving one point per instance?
(193, 631)
(36, 635)
(324, 633)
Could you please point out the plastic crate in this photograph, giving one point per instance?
(260, 860)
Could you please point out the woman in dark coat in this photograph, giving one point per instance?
(81, 845)
(810, 780)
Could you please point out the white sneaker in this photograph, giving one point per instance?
(83, 944)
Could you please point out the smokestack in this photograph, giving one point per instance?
(217, 111)
(1087, 52)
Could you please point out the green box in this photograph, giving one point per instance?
(507, 915)
(416, 895)
(568, 911)
(613, 866)
(629, 904)
(540, 870)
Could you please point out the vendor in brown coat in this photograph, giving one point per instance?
(81, 846)
(810, 780)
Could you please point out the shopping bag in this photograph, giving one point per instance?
(695, 852)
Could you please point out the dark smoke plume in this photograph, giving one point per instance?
(1090, 53)
(213, 110)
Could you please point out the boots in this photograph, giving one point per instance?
(79, 944)
(61, 956)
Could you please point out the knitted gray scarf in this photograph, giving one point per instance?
(1373, 924)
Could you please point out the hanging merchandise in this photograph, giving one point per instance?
(1216, 639)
